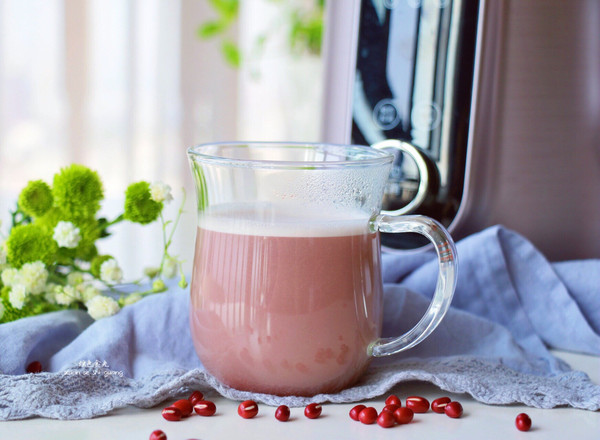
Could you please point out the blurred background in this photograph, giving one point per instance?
(125, 86)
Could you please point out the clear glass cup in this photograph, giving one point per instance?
(286, 292)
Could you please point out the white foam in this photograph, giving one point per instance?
(280, 221)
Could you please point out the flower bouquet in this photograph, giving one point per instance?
(49, 259)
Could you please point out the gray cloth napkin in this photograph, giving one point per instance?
(510, 307)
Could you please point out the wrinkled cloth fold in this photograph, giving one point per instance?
(511, 306)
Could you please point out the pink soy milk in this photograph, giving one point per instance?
(285, 306)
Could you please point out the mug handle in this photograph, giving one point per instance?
(446, 283)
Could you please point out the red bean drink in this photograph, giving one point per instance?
(285, 307)
(286, 292)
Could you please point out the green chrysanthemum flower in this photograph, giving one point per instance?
(97, 263)
(77, 191)
(139, 206)
(28, 243)
(36, 198)
(50, 219)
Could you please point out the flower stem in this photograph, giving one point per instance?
(119, 219)
(167, 241)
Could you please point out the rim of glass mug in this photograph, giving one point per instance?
(332, 155)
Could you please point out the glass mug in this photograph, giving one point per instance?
(286, 291)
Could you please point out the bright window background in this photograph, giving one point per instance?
(125, 87)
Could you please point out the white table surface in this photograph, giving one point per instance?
(478, 422)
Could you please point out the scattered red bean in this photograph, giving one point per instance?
(248, 409)
(313, 410)
(34, 367)
(171, 414)
(390, 408)
(393, 400)
(205, 408)
(185, 407)
(418, 404)
(282, 413)
(454, 410)
(368, 415)
(523, 422)
(158, 435)
(403, 415)
(354, 412)
(386, 419)
(196, 397)
(439, 404)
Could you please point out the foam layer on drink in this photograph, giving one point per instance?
(283, 221)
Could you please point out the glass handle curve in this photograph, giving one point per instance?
(446, 283)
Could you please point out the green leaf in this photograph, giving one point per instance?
(210, 29)
(231, 53)
(228, 9)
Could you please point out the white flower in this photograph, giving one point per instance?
(158, 286)
(10, 276)
(132, 298)
(17, 296)
(34, 276)
(75, 278)
(67, 235)
(102, 306)
(151, 271)
(87, 292)
(169, 269)
(65, 295)
(160, 192)
(49, 294)
(110, 272)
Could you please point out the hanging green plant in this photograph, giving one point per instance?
(305, 29)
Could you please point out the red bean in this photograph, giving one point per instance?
(185, 407)
(205, 408)
(196, 397)
(282, 413)
(386, 419)
(393, 400)
(368, 415)
(171, 414)
(248, 409)
(454, 410)
(418, 404)
(354, 412)
(390, 408)
(158, 435)
(523, 422)
(313, 410)
(403, 415)
(34, 367)
(439, 404)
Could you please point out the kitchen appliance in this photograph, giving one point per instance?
(493, 108)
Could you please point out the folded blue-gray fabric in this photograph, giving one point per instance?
(511, 306)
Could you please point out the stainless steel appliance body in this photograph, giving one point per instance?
(495, 106)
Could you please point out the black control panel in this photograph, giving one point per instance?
(413, 83)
